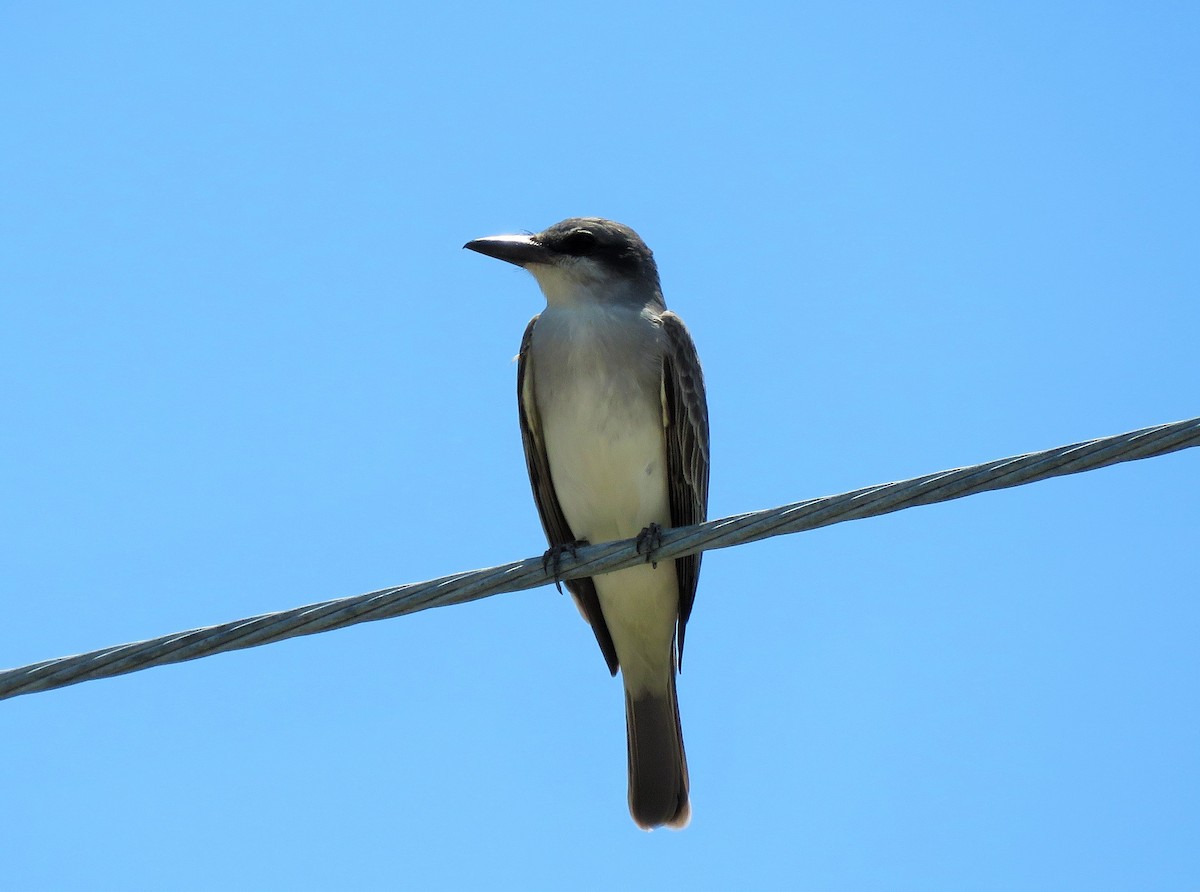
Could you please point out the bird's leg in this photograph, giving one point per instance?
(648, 541)
(553, 558)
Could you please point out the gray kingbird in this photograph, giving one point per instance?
(615, 427)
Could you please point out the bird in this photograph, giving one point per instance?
(614, 424)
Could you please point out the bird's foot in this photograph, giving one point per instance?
(648, 542)
(552, 559)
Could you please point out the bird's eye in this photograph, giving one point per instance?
(579, 243)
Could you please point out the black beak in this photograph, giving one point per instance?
(519, 249)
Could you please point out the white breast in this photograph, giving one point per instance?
(597, 380)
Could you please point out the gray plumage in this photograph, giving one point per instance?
(615, 429)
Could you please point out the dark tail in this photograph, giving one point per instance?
(658, 776)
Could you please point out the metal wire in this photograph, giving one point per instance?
(530, 573)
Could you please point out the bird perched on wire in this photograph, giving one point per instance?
(615, 427)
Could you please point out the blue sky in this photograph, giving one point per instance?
(246, 365)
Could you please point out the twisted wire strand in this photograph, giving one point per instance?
(726, 532)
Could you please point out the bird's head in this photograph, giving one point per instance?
(581, 259)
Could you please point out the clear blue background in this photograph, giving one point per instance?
(246, 366)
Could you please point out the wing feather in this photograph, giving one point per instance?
(685, 411)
